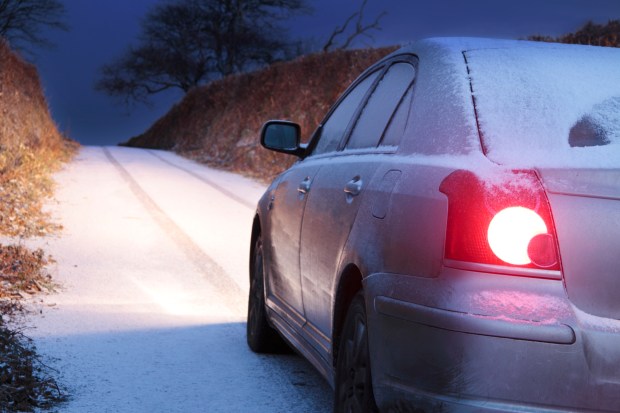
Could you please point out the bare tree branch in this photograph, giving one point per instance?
(359, 30)
(337, 32)
(186, 43)
(21, 21)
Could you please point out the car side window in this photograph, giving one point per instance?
(381, 106)
(336, 126)
(398, 123)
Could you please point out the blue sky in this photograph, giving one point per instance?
(101, 31)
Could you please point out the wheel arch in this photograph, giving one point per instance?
(349, 284)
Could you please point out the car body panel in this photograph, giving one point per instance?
(286, 208)
(475, 332)
(328, 219)
(448, 335)
(586, 210)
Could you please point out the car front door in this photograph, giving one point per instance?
(288, 202)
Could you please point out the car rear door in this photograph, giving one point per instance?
(338, 191)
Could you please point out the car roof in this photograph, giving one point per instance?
(461, 44)
(534, 80)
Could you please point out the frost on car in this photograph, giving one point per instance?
(448, 239)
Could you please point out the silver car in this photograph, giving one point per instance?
(449, 239)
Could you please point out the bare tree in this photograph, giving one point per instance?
(186, 43)
(359, 29)
(22, 21)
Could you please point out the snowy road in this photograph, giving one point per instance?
(150, 316)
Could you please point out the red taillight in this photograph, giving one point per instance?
(511, 231)
(507, 222)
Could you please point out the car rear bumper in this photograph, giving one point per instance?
(469, 341)
(556, 333)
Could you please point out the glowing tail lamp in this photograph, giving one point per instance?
(511, 231)
(509, 223)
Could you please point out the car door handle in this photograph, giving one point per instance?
(304, 186)
(353, 187)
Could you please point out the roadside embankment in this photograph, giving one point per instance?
(31, 148)
(219, 123)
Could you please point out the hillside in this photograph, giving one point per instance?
(31, 147)
(219, 123)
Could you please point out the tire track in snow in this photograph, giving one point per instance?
(305, 389)
(209, 182)
(231, 294)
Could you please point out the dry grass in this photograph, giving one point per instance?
(30, 149)
(22, 271)
(25, 382)
(219, 123)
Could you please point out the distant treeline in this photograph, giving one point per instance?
(590, 34)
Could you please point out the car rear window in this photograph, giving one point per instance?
(381, 105)
(548, 106)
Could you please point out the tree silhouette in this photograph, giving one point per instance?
(21, 21)
(186, 43)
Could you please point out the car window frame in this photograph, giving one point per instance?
(407, 95)
(316, 136)
(358, 113)
(377, 74)
(382, 67)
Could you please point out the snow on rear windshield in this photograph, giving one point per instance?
(548, 106)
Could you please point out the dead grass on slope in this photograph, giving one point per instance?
(31, 148)
(219, 123)
(23, 188)
(26, 383)
(22, 271)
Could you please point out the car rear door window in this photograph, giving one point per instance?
(381, 106)
(336, 126)
(398, 123)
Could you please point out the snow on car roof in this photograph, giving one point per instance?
(541, 104)
(548, 106)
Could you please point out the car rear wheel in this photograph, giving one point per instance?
(262, 338)
(353, 379)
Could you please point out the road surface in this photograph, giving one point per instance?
(150, 312)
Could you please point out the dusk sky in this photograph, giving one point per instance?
(101, 31)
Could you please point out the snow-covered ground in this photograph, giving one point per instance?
(150, 315)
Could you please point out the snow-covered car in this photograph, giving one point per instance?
(449, 239)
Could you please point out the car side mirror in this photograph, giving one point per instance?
(282, 136)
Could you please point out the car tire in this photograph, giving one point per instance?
(261, 337)
(353, 377)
